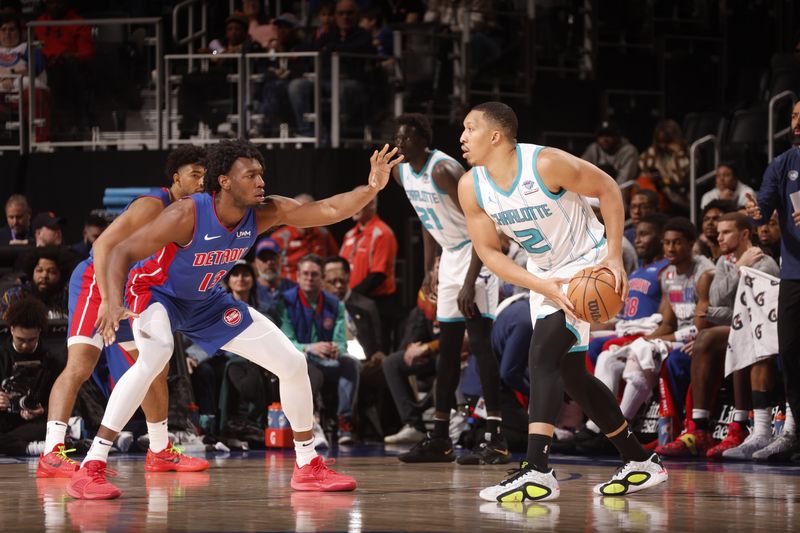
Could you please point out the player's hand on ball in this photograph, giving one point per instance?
(620, 276)
(552, 289)
(108, 318)
(381, 165)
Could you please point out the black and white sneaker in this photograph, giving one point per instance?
(524, 483)
(633, 477)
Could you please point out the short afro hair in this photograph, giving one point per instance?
(500, 114)
(220, 158)
(188, 154)
(420, 123)
(682, 225)
(28, 313)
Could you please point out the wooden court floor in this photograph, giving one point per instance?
(251, 492)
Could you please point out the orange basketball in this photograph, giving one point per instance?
(593, 295)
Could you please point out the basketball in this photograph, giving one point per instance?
(593, 295)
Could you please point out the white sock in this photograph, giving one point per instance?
(98, 451)
(591, 426)
(741, 415)
(305, 451)
(701, 413)
(159, 437)
(789, 424)
(56, 433)
(762, 423)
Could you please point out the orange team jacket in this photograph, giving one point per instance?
(371, 247)
(295, 244)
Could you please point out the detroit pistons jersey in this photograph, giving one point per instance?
(644, 291)
(556, 229)
(193, 272)
(436, 210)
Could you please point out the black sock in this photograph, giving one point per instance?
(493, 428)
(539, 451)
(441, 429)
(761, 399)
(700, 423)
(629, 446)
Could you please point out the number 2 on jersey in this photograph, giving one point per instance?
(428, 215)
(531, 237)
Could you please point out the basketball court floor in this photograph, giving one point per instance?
(250, 492)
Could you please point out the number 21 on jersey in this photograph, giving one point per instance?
(428, 218)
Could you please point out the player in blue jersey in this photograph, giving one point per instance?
(536, 197)
(466, 296)
(185, 171)
(183, 254)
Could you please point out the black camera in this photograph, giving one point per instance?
(20, 384)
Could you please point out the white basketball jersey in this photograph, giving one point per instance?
(555, 229)
(436, 210)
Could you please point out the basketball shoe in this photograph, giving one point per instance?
(172, 459)
(736, 435)
(430, 450)
(316, 476)
(89, 483)
(691, 443)
(744, 452)
(781, 448)
(493, 451)
(524, 483)
(55, 463)
(633, 477)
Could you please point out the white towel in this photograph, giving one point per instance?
(754, 328)
(644, 326)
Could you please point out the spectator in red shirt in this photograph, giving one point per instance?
(69, 52)
(371, 249)
(299, 242)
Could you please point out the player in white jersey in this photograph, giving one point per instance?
(535, 196)
(466, 297)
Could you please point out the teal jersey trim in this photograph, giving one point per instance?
(477, 187)
(548, 192)
(462, 319)
(516, 179)
(460, 245)
(583, 348)
(573, 330)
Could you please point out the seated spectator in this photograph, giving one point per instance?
(416, 357)
(47, 229)
(47, 273)
(69, 52)
(665, 164)
(644, 202)
(15, 60)
(18, 219)
(270, 283)
(27, 373)
(92, 228)
(706, 243)
(275, 103)
(345, 37)
(727, 187)
(361, 313)
(296, 243)
(613, 153)
(259, 29)
(769, 237)
(371, 249)
(314, 320)
(373, 21)
(327, 21)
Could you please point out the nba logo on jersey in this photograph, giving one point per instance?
(425, 178)
(232, 316)
(528, 187)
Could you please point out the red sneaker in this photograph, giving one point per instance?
(736, 435)
(691, 443)
(316, 476)
(56, 463)
(171, 459)
(89, 483)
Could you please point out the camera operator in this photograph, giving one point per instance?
(27, 373)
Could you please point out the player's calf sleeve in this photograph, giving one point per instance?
(480, 332)
(265, 344)
(596, 400)
(549, 344)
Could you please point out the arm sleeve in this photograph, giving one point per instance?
(340, 330)
(370, 283)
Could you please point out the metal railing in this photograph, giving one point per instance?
(694, 180)
(100, 139)
(773, 135)
(13, 97)
(192, 34)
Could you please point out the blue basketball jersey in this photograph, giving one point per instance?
(193, 272)
(644, 291)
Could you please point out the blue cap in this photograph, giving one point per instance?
(268, 244)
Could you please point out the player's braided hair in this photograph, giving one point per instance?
(420, 123)
(220, 158)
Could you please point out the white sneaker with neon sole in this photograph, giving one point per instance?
(633, 477)
(524, 484)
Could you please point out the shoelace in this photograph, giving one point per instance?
(62, 454)
(516, 473)
(174, 449)
(101, 473)
(321, 466)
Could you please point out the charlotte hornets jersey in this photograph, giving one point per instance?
(436, 210)
(193, 272)
(644, 291)
(556, 229)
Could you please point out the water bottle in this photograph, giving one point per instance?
(664, 430)
(777, 423)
